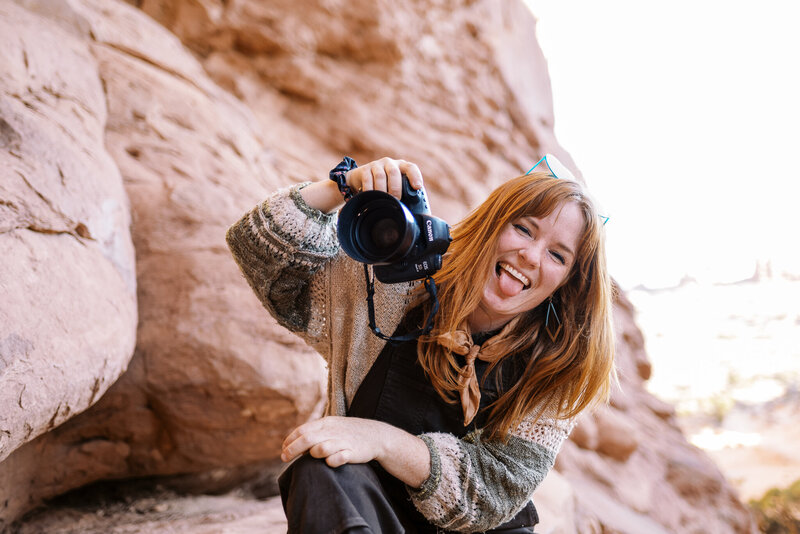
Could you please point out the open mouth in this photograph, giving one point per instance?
(526, 283)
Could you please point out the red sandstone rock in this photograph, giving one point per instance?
(585, 433)
(616, 435)
(459, 87)
(214, 381)
(68, 304)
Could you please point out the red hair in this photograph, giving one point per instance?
(562, 377)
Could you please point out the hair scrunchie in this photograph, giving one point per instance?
(339, 175)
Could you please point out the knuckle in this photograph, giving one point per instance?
(335, 460)
(301, 443)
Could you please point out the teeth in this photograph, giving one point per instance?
(516, 274)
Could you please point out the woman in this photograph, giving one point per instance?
(454, 430)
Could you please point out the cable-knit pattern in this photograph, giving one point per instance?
(289, 254)
(280, 246)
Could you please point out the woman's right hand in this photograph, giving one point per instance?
(384, 174)
(351, 440)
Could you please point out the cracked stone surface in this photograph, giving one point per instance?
(100, 99)
(68, 315)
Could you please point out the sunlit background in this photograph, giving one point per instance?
(684, 118)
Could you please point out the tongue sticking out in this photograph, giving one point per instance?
(509, 285)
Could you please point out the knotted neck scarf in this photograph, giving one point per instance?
(460, 342)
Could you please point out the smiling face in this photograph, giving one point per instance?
(533, 257)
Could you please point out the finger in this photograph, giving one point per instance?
(378, 178)
(296, 448)
(363, 180)
(293, 435)
(305, 428)
(394, 179)
(339, 458)
(300, 440)
(413, 173)
(326, 448)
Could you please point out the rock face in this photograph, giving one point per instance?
(213, 382)
(68, 313)
(199, 108)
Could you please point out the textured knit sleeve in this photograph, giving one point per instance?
(282, 246)
(476, 485)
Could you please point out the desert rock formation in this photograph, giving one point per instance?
(189, 112)
(68, 316)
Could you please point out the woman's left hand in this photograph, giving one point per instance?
(340, 440)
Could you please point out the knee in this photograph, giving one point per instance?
(314, 471)
(309, 468)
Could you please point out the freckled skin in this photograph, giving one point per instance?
(535, 247)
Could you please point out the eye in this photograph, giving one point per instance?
(522, 229)
(558, 257)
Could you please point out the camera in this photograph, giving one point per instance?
(399, 237)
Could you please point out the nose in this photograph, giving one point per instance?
(532, 254)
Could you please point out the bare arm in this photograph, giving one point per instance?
(350, 440)
(324, 196)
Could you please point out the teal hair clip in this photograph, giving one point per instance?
(558, 171)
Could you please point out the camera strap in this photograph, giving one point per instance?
(430, 285)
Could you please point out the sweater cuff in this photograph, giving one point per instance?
(430, 485)
(291, 228)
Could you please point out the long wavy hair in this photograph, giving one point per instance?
(562, 377)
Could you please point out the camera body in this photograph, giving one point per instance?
(399, 237)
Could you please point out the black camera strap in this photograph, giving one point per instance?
(430, 285)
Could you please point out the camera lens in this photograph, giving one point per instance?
(375, 227)
(385, 234)
(380, 230)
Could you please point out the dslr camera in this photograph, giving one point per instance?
(400, 238)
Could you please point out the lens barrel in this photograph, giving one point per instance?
(375, 227)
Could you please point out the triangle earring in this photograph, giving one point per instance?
(551, 309)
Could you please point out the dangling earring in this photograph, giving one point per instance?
(551, 309)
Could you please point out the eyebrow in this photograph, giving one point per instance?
(559, 244)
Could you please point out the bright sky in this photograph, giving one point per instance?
(684, 117)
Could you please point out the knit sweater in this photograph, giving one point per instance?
(289, 253)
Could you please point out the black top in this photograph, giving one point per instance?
(367, 402)
(397, 391)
